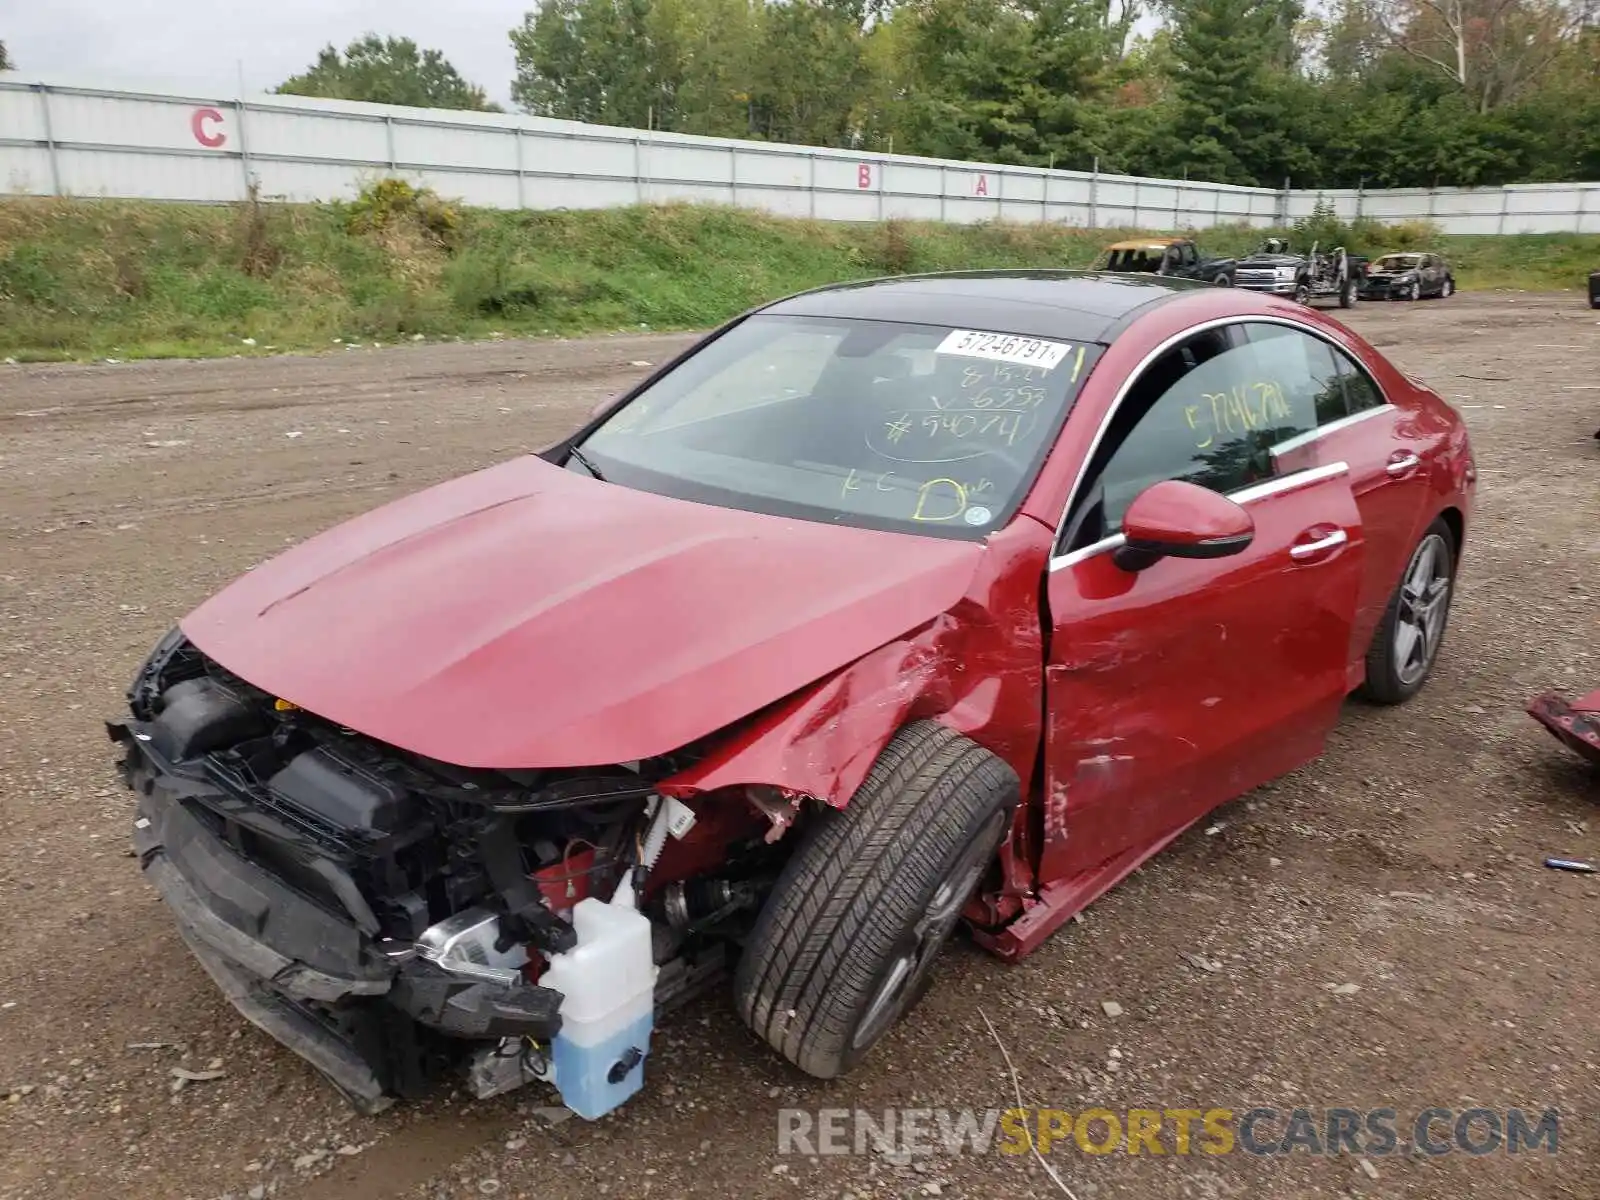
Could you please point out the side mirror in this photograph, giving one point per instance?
(1174, 519)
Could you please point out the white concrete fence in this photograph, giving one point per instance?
(59, 138)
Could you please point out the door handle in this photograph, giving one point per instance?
(1403, 463)
(1321, 546)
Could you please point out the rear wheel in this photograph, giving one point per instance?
(846, 943)
(1449, 288)
(1302, 293)
(1223, 279)
(1406, 642)
(1347, 294)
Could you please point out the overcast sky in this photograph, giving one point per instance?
(203, 46)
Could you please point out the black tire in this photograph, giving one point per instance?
(1302, 293)
(1414, 292)
(844, 916)
(1385, 683)
(1347, 294)
(1223, 279)
(1448, 288)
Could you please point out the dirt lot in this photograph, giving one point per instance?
(1407, 862)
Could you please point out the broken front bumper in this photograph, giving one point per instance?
(1273, 287)
(1575, 723)
(306, 974)
(1381, 289)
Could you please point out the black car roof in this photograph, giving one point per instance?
(1078, 306)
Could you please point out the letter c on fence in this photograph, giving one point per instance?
(864, 175)
(197, 123)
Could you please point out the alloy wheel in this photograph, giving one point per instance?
(903, 981)
(1424, 605)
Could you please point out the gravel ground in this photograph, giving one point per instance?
(1375, 930)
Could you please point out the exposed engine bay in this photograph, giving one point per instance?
(394, 919)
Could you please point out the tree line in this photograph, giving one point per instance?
(1381, 93)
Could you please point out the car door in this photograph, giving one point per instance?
(1188, 260)
(1387, 449)
(1172, 689)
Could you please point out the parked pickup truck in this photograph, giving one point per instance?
(1315, 275)
(1169, 256)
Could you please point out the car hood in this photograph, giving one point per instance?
(1271, 260)
(528, 616)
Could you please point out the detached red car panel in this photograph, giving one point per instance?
(886, 607)
(1575, 723)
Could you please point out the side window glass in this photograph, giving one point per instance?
(1208, 412)
(1361, 393)
(1304, 368)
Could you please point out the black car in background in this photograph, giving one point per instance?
(1408, 276)
(1594, 295)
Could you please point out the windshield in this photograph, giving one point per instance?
(1399, 262)
(1134, 260)
(919, 428)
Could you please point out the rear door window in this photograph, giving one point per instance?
(1304, 368)
(1336, 385)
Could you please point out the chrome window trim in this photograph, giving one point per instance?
(1311, 435)
(1280, 486)
(1177, 339)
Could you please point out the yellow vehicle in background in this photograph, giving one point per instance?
(1173, 256)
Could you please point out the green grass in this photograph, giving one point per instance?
(98, 278)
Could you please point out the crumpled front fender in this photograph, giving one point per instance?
(977, 668)
(822, 741)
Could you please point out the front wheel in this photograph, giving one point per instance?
(1223, 279)
(1406, 642)
(1414, 292)
(1449, 288)
(846, 942)
(1302, 293)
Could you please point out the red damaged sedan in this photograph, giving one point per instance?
(885, 607)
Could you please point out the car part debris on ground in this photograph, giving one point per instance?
(1574, 723)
